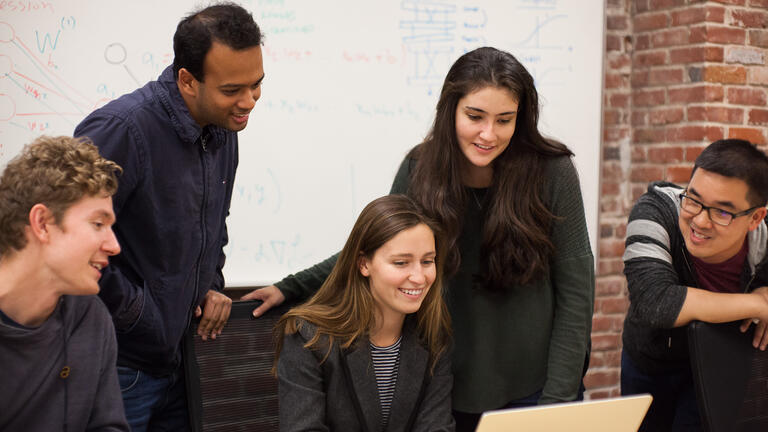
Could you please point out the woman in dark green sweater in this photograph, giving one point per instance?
(520, 272)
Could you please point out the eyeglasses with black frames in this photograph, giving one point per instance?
(716, 215)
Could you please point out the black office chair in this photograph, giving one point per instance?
(731, 378)
(229, 385)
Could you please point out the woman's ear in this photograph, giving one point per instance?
(362, 264)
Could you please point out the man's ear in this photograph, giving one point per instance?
(40, 221)
(188, 84)
(362, 264)
(757, 217)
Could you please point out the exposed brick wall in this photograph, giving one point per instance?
(679, 74)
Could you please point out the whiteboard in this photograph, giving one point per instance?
(350, 87)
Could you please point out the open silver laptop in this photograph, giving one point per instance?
(622, 414)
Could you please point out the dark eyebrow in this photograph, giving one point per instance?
(237, 86)
(484, 112)
(718, 204)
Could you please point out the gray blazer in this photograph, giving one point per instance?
(315, 395)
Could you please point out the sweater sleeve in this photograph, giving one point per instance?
(655, 293)
(573, 281)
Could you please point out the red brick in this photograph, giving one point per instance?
(596, 359)
(619, 100)
(615, 133)
(597, 394)
(731, 2)
(639, 118)
(606, 230)
(611, 248)
(758, 75)
(665, 154)
(612, 117)
(604, 342)
(642, 42)
(612, 171)
(698, 34)
(746, 96)
(758, 117)
(753, 135)
(670, 38)
(726, 35)
(696, 54)
(691, 153)
(607, 323)
(665, 4)
(639, 153)
(619, 61)
(613, 305)
(621, 230)
(665, 116)
(758, 38)
(649, 58)
(715, 14)
(715, 114)
(609, 286)
(640, 78)
(646, 22)
(617, 22)
(609, 205)
(725, 74)
(609, 188)
(645, 174)
(759, 3)
(610, 266)
(648, 98)
(699, 93)
(749, 18)
(600, 378)
(695, 15)
(694, 133)
(649, 135)
(679, 174)
(688, 16)
(612, 358)
(616, 80)
(638, 191)
(642, 6)
(665, 76)
(612, 43)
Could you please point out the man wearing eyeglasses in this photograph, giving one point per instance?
(697, 253)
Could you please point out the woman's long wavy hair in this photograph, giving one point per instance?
(343, 309)
(516, 245)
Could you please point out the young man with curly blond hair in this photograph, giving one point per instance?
(57, 341)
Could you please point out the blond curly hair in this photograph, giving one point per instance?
(55, 171)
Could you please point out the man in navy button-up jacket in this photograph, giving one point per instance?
(176, 139)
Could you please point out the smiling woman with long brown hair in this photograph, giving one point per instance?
(369, 350)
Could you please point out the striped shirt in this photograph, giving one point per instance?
(385, 363)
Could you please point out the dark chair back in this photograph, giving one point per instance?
(229, 385)
(731, 377)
